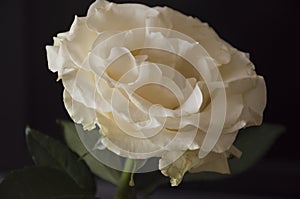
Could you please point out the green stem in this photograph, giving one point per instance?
(123, 189)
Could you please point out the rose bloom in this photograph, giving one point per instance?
(158, 84)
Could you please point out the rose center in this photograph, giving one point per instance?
(158, 94)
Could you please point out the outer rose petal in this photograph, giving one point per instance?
(124, 16)
(216, 162)
(239, 67)
(81, 86)
(78, 40)
(57, 56)
(123, 144)
(255, 100)
(80, 113)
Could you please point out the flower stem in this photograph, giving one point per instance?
(123, 189)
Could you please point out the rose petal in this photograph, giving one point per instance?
(78, 40)
(124, 16)
(121, 57)
(176, 163)
(255, 101)
(193, 103)
(239, 67)
(55, 59)
(81, 86)
(80, 113)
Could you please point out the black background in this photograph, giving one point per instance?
(267, 29)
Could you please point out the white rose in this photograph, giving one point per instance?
(158, 84)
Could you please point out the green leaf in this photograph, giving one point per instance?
(46, 151)
(40, 183)
(74, 142)
(254, 142)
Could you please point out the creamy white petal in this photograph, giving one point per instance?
(124, 16)
(217, 121)
(55, 61)
(58, 56)
(80, 113)
(255, 101)
(137, 147)
(134, 147)
(78, 40)
(193, 103)
(176, 163)
(81, 85)
(103, 36)
(239, 67)
(122, 65)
